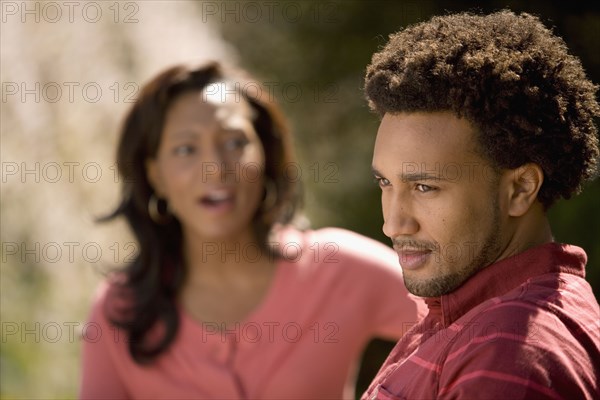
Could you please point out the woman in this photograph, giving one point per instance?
(225, 298)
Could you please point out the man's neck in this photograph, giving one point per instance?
(527, 231)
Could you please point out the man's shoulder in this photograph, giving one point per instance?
(538, 339)
(553, 302)
(548, 324)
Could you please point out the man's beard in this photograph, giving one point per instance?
(448, 282)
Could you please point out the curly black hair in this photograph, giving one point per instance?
(508, 75)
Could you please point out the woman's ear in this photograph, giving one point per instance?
(153, 176)
(523, 184)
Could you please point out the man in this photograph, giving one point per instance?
(487, 121)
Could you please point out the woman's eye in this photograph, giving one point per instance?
(382, 182)
(424, 188)
(184, 150)
(234, 143)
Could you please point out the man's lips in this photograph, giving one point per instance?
(411, 259)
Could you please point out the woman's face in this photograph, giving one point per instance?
(210, 162)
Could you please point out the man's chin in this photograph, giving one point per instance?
(433, 287)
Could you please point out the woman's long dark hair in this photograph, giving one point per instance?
(143, 295)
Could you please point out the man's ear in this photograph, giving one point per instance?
(523, 184)
(154, 177)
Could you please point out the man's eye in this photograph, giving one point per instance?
(382, 182)
(424, 188)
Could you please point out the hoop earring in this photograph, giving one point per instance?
(154, 211)
(270, 195)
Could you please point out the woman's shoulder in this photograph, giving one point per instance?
(341, 236)
(112, 298)
(347, 238)
(341, 247)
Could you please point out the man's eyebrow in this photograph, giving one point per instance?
(414, 176)
(420, 176)
(375, 172)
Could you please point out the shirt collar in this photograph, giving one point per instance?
(505, 275)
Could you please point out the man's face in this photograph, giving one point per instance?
(439, 198)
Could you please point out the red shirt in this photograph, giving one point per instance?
(526, 327)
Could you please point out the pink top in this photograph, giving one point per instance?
(332, 292)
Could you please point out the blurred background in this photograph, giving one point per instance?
(71, 69)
